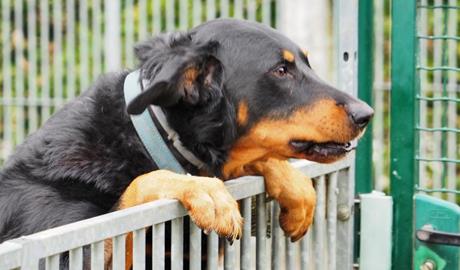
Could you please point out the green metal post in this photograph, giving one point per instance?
(403, 135)
(364, 172)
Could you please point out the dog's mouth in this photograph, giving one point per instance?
(327, 149)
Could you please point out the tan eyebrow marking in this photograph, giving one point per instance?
(288, 56)
(305, 52)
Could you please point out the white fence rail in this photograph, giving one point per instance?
(326, 246)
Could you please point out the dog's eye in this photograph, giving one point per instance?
(281, 71)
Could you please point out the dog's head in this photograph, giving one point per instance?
(238, 92)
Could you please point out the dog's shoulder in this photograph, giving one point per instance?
(90, 140)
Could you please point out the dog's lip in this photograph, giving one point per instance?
(323, 149)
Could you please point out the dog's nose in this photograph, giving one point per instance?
(360, 113)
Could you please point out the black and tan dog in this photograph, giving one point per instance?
(243, 99)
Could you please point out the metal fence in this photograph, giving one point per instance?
(424, 156)
(328, 244)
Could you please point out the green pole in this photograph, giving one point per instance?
(364, 172)
(403, 135)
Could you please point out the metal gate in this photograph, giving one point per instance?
(421, 89)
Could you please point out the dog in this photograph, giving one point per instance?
(242, 98)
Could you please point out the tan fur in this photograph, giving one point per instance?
(288, 56)
(190, 76)
(294, 192)
(209, 204)
(323, 122)
(207, 200)
(242, 116)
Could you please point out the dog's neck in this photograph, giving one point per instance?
(160, 140)
(172, 138)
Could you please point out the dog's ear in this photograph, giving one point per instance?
(177, 71)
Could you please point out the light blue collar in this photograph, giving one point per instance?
(149, 134)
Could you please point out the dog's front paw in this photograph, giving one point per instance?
(207, 200)
(297, 210)
(294, 192)
(212, 207)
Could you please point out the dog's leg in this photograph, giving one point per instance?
(207, 200)
(294, 192)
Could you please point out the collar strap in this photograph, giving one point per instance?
(175, 139)
(150, 135)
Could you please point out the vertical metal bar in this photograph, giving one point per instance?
(304, 259)
(224, 8)
(364, 166)
(57, 54)
(424, 88)
(347, 39)
(32, 74)
(70, 48)
(290, 254)
(266, 12)
(84, 52)
(210, 9)
(252, 8)
(45, 62)
(376, 227)
(238, 9)
(170, 25)
(76, 259)
(158, 240)
(139, 249)
(212, 258)
(245, 252)
(97, 255)
(196, 12)
(156, 11)
(129, 33)
(380, 89)
(118, 253)
(52, 262)
(112, 35)
(276, 237)
(332, 220)
(452, 107)
(177, 243)
(345, 204)
(229, 256)
(183, 15)
(19, 63)
(444, 116)
(96, 39)
(403, 166)
(7, 86)
(261, 237)
(195, 247)
(437, 91)
(278, 18)
(142, 20)
(319, 222)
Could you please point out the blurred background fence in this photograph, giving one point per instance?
(53, 49)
